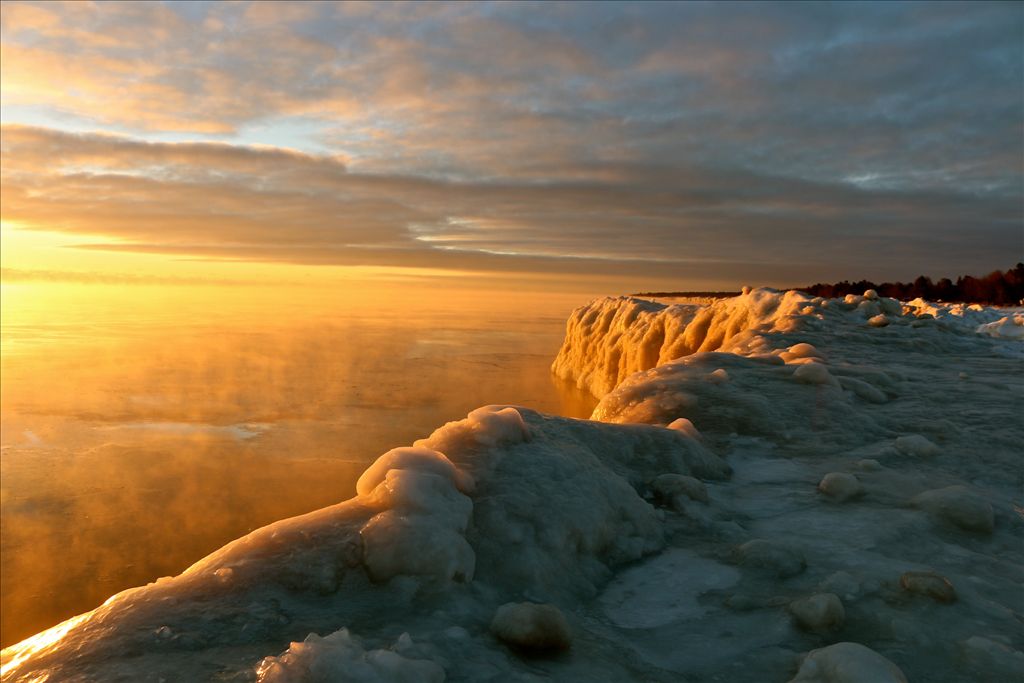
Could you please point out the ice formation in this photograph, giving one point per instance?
(773, 487)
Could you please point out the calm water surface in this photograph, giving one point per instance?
(144, 427)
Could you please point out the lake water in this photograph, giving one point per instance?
(145, 426)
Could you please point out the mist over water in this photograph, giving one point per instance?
(145, 427)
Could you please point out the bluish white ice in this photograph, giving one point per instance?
(774, 487)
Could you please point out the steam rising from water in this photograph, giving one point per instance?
(136, 441)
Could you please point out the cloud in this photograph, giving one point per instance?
(829, 90)
(212, 200)
(882, 139)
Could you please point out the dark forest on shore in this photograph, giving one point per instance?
(998, 288)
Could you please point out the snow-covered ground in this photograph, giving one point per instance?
(765, 477)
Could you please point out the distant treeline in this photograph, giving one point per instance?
(709, 295)
(996, 288)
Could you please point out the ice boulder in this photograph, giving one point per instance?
(1007, 327)
(423, 459)
(492, 425)
(847, 663)
(761, 399)
(801, 351)
(880, 320)
(987, 657)
(421, 528)
(761, 553)
(686, 427)
(818, 612)
(931, 584)
(869, 308)
(840, 486)
(890, 306)
(915, 444)
(670, 487)
(418, 546)
(554, 514)
(814, 373)
(341, 657)
(863, 390)
(959, 506)
(531, 626)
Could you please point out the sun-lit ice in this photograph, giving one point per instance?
(774, 487)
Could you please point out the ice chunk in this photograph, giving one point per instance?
(486, 426)
(669, 486)
(880, 320)
(1007, 327)
(719, 376)
(842, 583)
(863, 390)
(818, 612)
(423, 459)
(394, 544)
(741, 405)
(890, 306)
(341, 657)
(781, 559)
(847, 663)
(931, 584)
(814, 373)
(958, 505)
(531, 626)
(804, 350)
(685, 426)
(915, 444)
(869, 309)
(997, 661)
(840, 486)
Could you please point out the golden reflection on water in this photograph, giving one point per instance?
(144, 427)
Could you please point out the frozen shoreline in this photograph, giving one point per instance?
(836, 419)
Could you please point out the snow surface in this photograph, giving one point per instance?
(773, 487)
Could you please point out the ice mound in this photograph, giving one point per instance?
(915, 444)
(531, 626)
(840, 486)
(848, 663)
(610, 339)
(503, 504)
(765, 397)
(959, 506)
(819, 612)
(551, 512)
(765, 474)
(1007, 327)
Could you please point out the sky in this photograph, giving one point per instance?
(694, 145)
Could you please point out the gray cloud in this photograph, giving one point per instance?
(213, 201)
(844, 139)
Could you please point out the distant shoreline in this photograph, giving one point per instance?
(665, 295)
